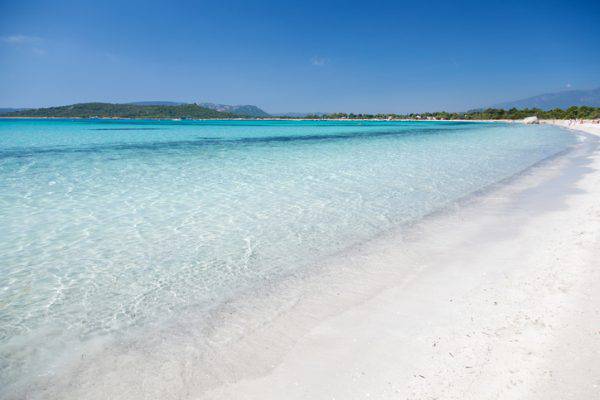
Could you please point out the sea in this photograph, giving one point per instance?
(110, 228)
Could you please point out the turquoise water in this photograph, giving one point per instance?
(110, 225)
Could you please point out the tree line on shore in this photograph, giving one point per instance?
(195, 111)
(582, 112)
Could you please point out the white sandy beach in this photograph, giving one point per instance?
(497, 297)
(503, 302)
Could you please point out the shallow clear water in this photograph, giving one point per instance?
(110, 225)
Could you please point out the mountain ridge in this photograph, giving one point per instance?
(7, 110)
(247, 109)
(156, 103)
(549, 101)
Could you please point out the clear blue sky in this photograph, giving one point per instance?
(375, 56)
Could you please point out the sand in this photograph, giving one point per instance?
(501, 301)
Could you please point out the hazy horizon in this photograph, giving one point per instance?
(291, 57)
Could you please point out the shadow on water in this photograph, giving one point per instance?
(125, 129)
(250, 122)
(204, 141)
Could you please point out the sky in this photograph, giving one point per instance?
(297, 56)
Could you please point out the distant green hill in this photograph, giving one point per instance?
(157, 103)
(247, 110)
(10, 110)
(108, 110)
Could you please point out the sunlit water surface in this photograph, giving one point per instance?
(110, 225)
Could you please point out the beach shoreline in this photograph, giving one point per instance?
(583, 125)
(514, 318)
(5, 117)
(495, 297)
